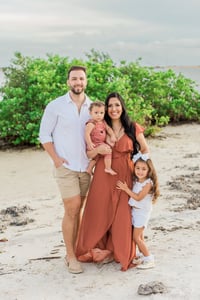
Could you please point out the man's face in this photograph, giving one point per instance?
(77, 81)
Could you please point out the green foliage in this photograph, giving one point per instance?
(152, 98)
(30, 85)
(103, 76)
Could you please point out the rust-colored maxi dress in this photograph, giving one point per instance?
(106, 223)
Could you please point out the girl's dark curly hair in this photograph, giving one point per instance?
(129, 126)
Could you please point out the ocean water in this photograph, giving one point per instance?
(1, 77)
(192, 72)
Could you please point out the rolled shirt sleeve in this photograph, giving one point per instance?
(64, 126)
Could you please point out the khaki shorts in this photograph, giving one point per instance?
(71, 183)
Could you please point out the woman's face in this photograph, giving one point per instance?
(114, 108)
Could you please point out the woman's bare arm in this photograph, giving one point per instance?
(101, 149)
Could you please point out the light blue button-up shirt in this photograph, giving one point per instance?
(63, 125)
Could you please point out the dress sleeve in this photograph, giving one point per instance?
(148, 180)
(138, 129)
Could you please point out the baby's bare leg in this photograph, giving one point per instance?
(90, 167)
(108, 163)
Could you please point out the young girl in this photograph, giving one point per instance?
(95, 134)
(145, 192)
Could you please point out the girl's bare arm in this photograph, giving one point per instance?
(146, 189)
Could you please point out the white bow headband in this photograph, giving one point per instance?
(139, 155)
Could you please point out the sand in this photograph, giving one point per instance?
(32, 249)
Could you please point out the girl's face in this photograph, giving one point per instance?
(141, 170)
(97, 113)
(114, 108)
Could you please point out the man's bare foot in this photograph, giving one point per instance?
(110, 171)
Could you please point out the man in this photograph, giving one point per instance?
(62, 136)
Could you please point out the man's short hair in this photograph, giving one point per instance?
(75, 68)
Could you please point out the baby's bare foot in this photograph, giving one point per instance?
(110, 171)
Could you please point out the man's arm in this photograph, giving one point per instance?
(58, 161)
(48, 123)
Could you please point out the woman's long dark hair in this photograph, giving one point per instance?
(129, 126)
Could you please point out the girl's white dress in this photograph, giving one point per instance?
(141, 210)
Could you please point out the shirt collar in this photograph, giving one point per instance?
(86, 102)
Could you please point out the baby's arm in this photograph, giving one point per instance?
(88, 129)
(146, 189)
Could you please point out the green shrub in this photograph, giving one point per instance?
(152, 98)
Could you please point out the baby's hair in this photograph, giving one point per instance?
(153, 176)
(97, 103)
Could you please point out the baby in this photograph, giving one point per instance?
(95, 134)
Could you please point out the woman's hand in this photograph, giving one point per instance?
(111, 141)
(90, 146)
(101, 149)
(104, 149)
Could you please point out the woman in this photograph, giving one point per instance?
(106, 230)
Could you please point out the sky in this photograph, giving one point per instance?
(161, 33)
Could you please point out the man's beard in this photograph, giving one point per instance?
(77, 91)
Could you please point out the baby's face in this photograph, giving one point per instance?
(98, 113)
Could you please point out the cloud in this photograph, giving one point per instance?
(128, 29)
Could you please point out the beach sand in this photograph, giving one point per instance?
(32, 249)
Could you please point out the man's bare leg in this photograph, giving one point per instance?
(70, 225)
